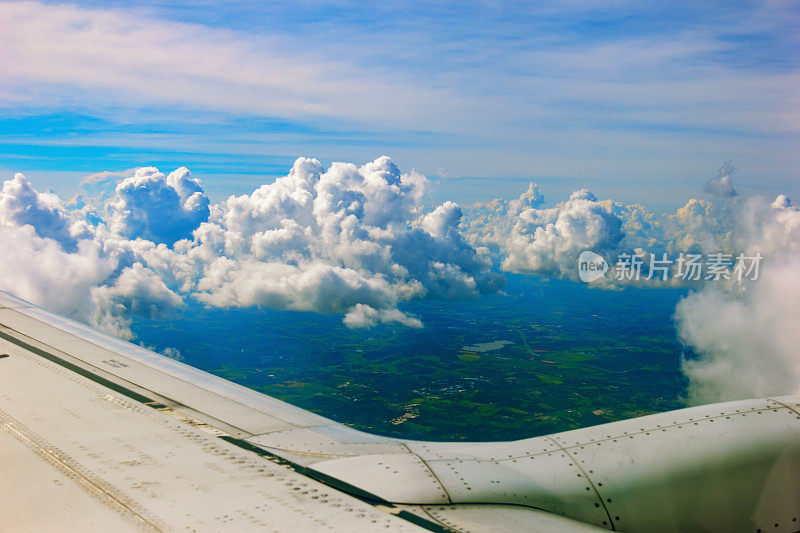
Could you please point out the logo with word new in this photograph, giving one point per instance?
(591, 267)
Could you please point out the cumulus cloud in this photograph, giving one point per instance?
(525, 236)
(157, 208)
(21, 205)
(38, 269)
(781, 202)
(550, 240)
(364, 316)
(331, 240)
(353, 241)
(746, 333)
(306, 287)
(72, 268)
(531, 239)
(348, 240)
(136, 291)
(489, 223)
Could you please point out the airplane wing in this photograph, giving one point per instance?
(101, 434)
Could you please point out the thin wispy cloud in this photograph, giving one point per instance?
(66, 53)
(578, 90)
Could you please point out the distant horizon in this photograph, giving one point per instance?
(464, 190)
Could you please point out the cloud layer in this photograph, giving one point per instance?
(353, 241)
(345, 239)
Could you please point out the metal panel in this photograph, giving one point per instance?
(76, 339)
(34, 491)
(397, 478)
(503, 518)
(138, 463)
(721, 468)
(182, 389)
(792, 402)
(654, 423)
(309, 445)
(489, 451)
(550, 481)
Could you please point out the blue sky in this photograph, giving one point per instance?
(639, 102)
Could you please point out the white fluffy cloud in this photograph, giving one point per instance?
(531, 239)
(136, 291)
(526, 237)
(489, 224)
(21, 205)
(364, 316)
(550, 240)
(747, 333)
(346, 240)
(352, 241)
(38, 269)
(73, 268)
(159, 209)
(331, 240)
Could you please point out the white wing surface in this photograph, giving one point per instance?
(100, 434)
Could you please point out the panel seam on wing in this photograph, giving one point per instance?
(589, 479)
